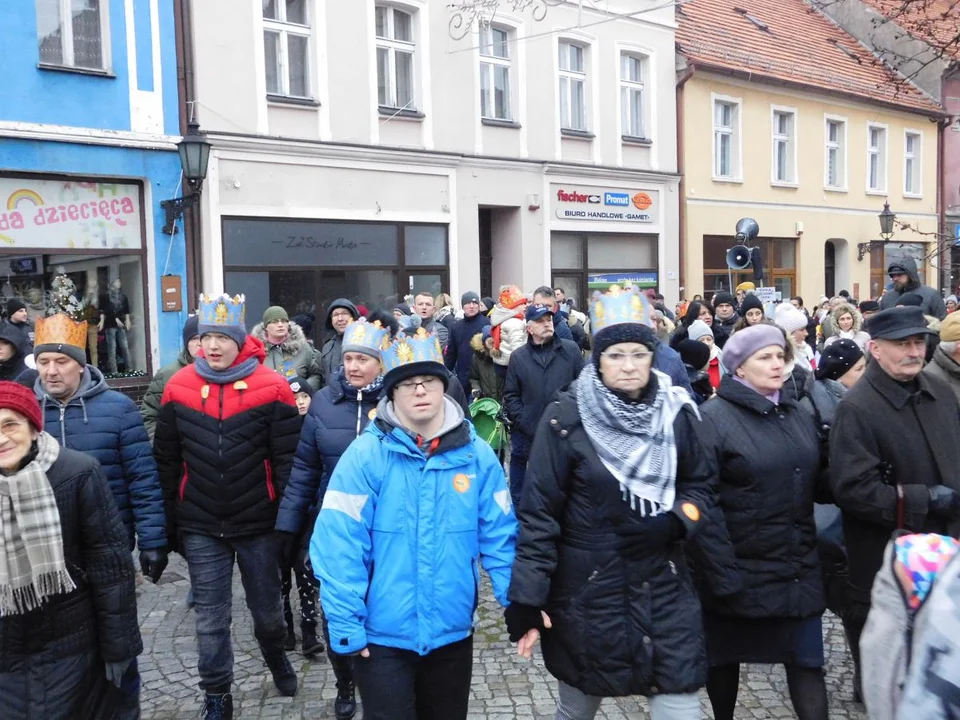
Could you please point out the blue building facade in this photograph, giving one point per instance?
(88, 126)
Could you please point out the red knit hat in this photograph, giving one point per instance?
(21, 399)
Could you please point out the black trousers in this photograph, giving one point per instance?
(402, 685)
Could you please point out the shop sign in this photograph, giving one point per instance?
(604, 205)
(69, 215)
(647, 279)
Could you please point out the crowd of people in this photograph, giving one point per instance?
(686, 492)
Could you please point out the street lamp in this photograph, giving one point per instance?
(194, 153)
(887, 220)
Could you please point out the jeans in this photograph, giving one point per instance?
(402, 685)
(113, 334)
(574, 705)
(210, 562)
(519, 455)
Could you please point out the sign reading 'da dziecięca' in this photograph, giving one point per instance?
(68, 214)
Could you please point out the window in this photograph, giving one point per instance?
(573, 81)
(631, 95)
(581, 264)
(876, 158)
(784, 146)
(495, 74)
(835, 170)
(779, 271)
(286, 42)
(726, 131)
(73, 33)
(912, 164)
(395, 48)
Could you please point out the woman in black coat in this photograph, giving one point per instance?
(68, 611)
(600, 565)
(769, 458)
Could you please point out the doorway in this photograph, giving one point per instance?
(829, 268)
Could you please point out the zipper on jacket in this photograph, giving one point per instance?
(220, 444)
(63, 426)
(359, 409)
(271, 490)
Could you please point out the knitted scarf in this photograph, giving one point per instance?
(32, 564)
(635, 442)
(228, 375)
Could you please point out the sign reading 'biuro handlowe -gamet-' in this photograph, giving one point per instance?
(68, 214)
(604, 205)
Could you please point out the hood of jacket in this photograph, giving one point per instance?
(845, 309)
(476, 342)
(339, 303)
(294, 343)
(455, 432)
(910, 266)
(15, 336)
(947, 364)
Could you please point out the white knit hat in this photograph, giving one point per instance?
(697, 329)
(789, 318)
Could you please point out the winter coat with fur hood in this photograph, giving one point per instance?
(855, 333)
(294, 356)
(484, 377)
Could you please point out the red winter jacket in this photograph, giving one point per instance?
(224, 452)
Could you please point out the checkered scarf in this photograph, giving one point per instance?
(32, 565)
(635, 442)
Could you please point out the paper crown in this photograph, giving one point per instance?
(512, 297)
(59, 329)
(222, 310)
(420, 346)
(361, 334)
(618, 305)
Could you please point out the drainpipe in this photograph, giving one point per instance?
(682, 225)
(944, 248)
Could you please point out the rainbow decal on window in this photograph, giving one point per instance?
(23, 194)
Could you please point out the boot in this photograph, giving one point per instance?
(311, 644)
(345, 706)
(218, 707)
(852, 629)
(283, 675)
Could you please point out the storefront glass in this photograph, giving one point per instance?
(582, 262)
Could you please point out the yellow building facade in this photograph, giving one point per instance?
(813, 169)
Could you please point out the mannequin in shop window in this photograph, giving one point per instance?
(91, 314)
(115, 322)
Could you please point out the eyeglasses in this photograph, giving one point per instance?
(11, 428)
(341, 315)
(618, 358)
(409, 388)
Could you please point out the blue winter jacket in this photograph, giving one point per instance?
(668, 361)
(337, 415)
(400, 534)
(107, 425)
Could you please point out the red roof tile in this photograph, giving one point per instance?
(934, 21)
(788, 41)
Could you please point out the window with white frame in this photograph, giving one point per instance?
(876, 158)
(784, 146)
(726, 129)
(573, 87)
(631, 94)
(912, 164)
(395, 50)
(286, 43)
(73, 33)
(495, 74)
(835, 174)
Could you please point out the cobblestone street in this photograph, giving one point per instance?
(504, 686)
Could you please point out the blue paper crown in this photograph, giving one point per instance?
(618, 305)
(420, 346)
(222, 310)
(363, 334)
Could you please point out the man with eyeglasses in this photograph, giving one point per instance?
(536, 372)
(415, 502)
(341, 313)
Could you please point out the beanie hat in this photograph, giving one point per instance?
(723, 298)
(751, 302)
(14, 305)
(21, 399)
(299, 384)
(693, 353)
(838, 357)
(274, 313)
(628, 332)
(744, 343)
(789, 318)
(305, 322)
(487, 302)
(469, 297)
(746, 286)
(910, 299)
(403, 308)
(869, 306)
(487, 332)
(950, 328)
(191, 329)
(951, 298)
(697, 329)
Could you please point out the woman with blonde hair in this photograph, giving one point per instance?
(847, 324)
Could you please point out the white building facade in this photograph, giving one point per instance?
(361, 151)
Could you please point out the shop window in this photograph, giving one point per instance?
(425, 245)
(779, 257)
(566, 251)
(578, 261)
(878, 272)
(621, 252)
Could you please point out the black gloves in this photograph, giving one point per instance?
(153, 563)
(521, 619)
(288, 547)
(115, 670)
(944, 501)
(651, 534)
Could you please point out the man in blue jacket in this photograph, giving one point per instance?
(83, 414)
(414, 503)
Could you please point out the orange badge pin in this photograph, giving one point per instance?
(372, 414)
(461, 483)
(205, 392)
(691, 511)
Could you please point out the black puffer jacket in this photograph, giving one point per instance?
(52, 659)
(621, 625)
(770, 472)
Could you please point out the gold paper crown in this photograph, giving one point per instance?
(59, 329)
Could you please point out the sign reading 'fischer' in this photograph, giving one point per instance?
(604, 205)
